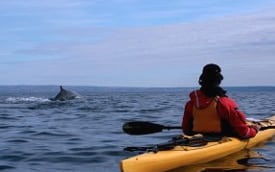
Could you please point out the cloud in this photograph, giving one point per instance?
(161, 55)
(222, 38)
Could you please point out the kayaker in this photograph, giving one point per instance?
(210, 110)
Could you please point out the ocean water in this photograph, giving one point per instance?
(85, 134)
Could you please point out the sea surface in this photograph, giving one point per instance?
(85, 135)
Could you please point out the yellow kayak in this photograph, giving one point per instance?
(179, 156)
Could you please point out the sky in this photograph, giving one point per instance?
(136, 43)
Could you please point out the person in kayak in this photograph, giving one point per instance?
(211, 111)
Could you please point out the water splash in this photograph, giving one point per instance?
(26, 99)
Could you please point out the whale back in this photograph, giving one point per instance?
(65, 94)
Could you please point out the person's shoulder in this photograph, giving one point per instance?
(196, 93)
(193, 92)
(227, 101)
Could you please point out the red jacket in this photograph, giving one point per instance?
(233, 120)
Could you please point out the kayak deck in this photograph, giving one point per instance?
(181, 156)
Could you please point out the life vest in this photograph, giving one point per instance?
(207, 120)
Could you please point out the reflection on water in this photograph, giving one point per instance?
(246, 160)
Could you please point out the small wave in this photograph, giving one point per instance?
(150, 110)
(12, 157)
(17, 141)
(91, 109)
(26, 99)
(62, 157)
(5, 167)
(5, 126)
(44, 133)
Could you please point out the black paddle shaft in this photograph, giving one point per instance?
(143, 127)
(194, 141)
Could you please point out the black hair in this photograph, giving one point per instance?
(210, 81)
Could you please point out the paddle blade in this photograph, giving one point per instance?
(141, 127)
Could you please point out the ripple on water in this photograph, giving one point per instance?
(17, 141)
(12, 157)
(69, 157)
(47, 134)
(6, 167)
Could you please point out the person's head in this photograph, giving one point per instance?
(211, 76)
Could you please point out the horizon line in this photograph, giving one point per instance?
(102, 86)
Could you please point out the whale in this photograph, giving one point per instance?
(65, 94)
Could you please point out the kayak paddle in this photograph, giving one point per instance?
(143, 127)
(194, 141)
